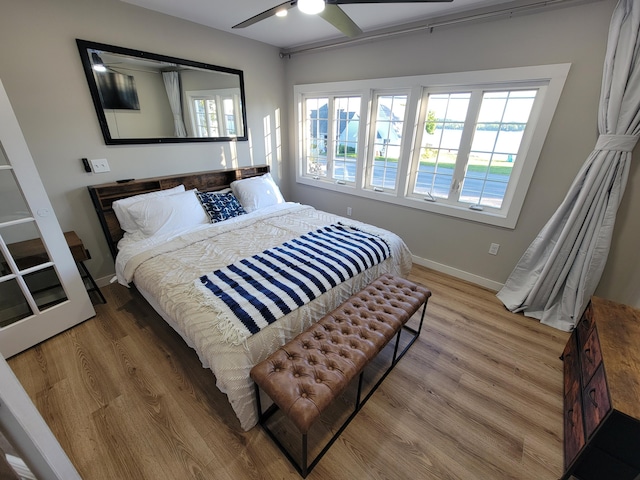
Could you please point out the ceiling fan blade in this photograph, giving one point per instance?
(266, 14)
(352, 2)
(336, 17)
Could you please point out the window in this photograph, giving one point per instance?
(331, 137)
(387, 141)
(462, 144)
(213, 113)
(469, 146)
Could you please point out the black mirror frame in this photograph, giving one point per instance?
(83, 45)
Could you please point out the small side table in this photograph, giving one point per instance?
(80, 254)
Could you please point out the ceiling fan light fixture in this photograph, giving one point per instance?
(311, 7)
(97, 63)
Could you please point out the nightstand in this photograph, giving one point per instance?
(31, 252)
(80, 255)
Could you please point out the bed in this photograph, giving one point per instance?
(169, 266)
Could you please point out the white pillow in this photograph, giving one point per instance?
(158, 215)
(257, 192)
(121, 207)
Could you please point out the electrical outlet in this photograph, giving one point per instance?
(100, 165)
(348, 211)
(493, 249)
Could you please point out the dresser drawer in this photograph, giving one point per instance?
(595, 401)
(585, 324)
(574, 438)
(590, 355)
(571, 364)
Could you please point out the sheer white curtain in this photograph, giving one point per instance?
(559, 272)
(172, 85)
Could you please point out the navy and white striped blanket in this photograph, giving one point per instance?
(260, 289)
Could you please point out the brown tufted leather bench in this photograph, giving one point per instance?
(304, 376)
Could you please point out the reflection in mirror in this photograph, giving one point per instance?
(142, 97)
(13, 205)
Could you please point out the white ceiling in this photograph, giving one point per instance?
(298, 28)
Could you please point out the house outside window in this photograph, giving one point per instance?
(463, 144)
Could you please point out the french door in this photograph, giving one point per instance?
(41, 292)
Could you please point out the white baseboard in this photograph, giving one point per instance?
(454, 272)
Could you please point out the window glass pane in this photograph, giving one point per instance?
(346, 117)
(45, 287)
(200, 118)
(519, 106)
(212, 119)
(443, 127)
(315, 135)
(25, 245)
(227, 105)
(13, 305)
(389, 127)
(13, 206)
(496, 142)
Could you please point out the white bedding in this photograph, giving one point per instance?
(165, 268)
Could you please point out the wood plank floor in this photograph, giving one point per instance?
(478, 396)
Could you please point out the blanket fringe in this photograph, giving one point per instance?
(219, 312)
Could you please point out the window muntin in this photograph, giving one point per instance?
(388, 129)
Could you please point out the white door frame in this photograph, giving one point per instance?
(27, 431)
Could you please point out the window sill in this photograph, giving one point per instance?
(485, 217)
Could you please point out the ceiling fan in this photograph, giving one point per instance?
(326, 9)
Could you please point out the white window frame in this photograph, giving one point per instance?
(218, 97)
(550, 79)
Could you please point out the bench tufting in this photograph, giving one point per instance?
(304, 376)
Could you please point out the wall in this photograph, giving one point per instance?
(42, 73)
(575, 35)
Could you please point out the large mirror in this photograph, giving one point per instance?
(143, 97)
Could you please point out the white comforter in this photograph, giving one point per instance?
(165, 269)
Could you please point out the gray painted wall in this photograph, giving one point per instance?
(575, 35)
(41, 70)
(42, 73)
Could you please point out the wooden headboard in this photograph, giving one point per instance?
(104, 195)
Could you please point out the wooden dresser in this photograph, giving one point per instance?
(602, 394)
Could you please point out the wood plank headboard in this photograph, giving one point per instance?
(104, 195)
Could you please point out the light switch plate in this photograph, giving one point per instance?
(100, 165)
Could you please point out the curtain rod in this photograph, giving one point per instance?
(428, 26)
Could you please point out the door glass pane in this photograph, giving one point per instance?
(25, 245)
(45, 287)
(12, 203)
(13, 305)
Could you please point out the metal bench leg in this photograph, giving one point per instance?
(304, 456)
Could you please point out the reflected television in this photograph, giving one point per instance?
(117, 91)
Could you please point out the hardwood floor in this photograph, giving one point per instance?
(478, 396)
